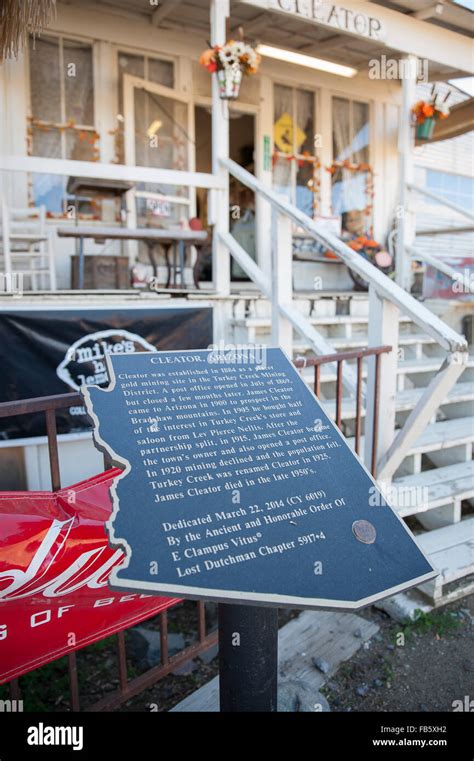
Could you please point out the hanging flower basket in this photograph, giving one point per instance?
(427, 112)
(229, 80)
(425, 130)
(230, 63)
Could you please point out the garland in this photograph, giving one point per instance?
(361, 167)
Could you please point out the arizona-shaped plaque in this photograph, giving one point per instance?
(238, 487)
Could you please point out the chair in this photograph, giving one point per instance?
(27, 245)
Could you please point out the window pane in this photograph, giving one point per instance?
(350, 143)
(454, 187)
(49, 190)
(79, 82)
(161, 72)
(361, 133)
(304, 195)
(46, 142)
(161, 138)
(283, 119)
(129, 64)
(282, 181)
(304, 137)
(45, 80)
(341, 130)
(80, 145)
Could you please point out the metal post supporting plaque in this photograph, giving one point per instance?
(248, 658)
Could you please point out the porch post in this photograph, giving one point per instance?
(383, 331)
(405, 218)
(219, 217)
(282, 280)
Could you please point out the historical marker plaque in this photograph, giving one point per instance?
(238, 487)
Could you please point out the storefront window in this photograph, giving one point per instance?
(351, 171)
(294, 160)
(61, 112)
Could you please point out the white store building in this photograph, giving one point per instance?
(113, 92)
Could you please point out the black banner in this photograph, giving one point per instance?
(43, 353)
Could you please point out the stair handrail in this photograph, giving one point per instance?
(446, 336)
(388, 297)
(463, 279)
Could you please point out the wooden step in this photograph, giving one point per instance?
(438, 436)
(406, 400)
(426, 365)
(445, 434)
(437, 487)
(451, 551)
(339, 319)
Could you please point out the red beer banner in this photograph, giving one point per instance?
(54, 565)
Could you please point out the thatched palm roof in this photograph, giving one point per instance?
(18, 18)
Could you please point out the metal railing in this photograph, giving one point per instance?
(128, 688)
(302, 362)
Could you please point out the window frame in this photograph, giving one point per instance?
(63, 125)
(315, 156)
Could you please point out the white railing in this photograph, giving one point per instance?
(100, 171)
(386, 300)
(462, 279)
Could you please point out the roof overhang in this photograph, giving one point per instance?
(377, 31)
(356, 27)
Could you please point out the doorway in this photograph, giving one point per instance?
(242, 211)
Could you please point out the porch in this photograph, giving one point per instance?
(131, 136)
(151, 123)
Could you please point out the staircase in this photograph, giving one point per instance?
(433, 488)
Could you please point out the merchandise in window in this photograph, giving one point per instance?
(295, 165)
(351, 171)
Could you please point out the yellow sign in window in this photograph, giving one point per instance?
(287, 135)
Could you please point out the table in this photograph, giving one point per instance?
(169, 239)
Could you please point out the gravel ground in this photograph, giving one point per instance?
(421, 667)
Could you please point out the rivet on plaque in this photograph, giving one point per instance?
(364, 532)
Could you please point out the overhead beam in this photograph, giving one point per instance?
(256, 26)
(164, 10)
(321, 47)
(427, 13)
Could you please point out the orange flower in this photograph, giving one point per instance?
(207, 58)
(427, 110)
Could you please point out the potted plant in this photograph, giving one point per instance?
(427, 112)
(230, 62)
